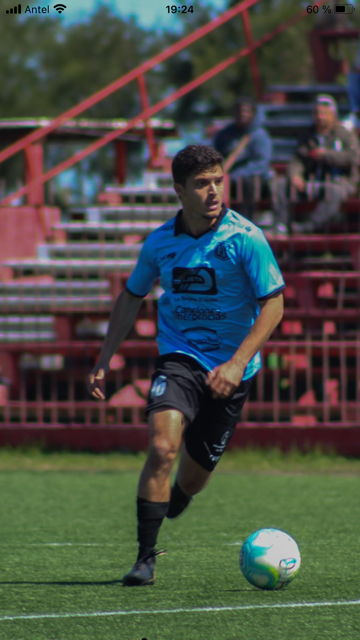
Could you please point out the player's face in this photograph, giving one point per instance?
(203, 193)
(244, 115)
(324, 117)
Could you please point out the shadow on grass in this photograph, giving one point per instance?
(104, 583)
(237, 590)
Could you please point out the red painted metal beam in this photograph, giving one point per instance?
(345, 439)
(80, 155)
(145, 105)
(253, 61)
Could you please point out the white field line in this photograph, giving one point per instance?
(250, 607)
(60, 544)
(90, 544)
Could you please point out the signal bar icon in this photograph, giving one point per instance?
(15, 10)
(59, 7)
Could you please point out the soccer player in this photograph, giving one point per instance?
(222, 300)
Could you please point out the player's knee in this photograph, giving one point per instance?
(162, 454)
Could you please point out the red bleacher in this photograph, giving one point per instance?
(61, 272)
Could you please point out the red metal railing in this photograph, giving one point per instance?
(138, 74)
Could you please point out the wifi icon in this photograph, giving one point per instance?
(59, 7)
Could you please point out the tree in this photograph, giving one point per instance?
(278, 60)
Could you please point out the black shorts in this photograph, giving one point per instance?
(179, 382)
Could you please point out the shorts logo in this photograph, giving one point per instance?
(211, 456)
(194, 280)
(222, 251)
(225, 437)
(158, 387)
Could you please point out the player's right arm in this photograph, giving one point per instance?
(124, 314)
(122, 319)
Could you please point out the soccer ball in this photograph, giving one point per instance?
(269, 559)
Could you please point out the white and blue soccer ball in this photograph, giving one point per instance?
(269, 559)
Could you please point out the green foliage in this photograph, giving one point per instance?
(278, 60)
(47, 68)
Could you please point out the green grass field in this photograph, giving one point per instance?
(68, 535)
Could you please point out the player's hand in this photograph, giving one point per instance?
(317, 154)
(95, 381)
(298, 182)
(224, 379)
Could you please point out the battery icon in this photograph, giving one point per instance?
(344, 8)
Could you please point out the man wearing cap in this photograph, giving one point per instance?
(324, 167)
(250, 147)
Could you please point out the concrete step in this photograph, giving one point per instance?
(27, 336)
(141, 194)
(26, 328)
(74, 250)
(157, 178)
(110, 229)
(70, 268)
(133, 189)
(126, 213)
(26, 322)
(28, 303)
(309, 91)
(57, 289)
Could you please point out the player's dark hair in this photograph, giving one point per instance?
(245, 100)
(192, 160)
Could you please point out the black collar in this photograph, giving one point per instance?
(179, 227)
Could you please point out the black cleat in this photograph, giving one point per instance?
(143, 571)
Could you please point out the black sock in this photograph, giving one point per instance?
(178, 501)
(150, 516)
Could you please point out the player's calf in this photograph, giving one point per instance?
(179, 501)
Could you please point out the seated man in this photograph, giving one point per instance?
(254, 154)
(323, 168)
(353, 121)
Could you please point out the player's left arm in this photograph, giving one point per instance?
(271, 313)
(225, 378)
(257, 259)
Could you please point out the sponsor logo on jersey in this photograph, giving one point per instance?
(198, 313)
(168, 255)
(199, 280)
(202, 338)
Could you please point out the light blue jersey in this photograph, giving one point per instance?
(211, 284)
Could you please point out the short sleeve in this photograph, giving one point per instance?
(145, 273)
(260, 265)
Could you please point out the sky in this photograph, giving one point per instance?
(149, 13)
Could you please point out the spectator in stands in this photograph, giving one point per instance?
(353, 120)
(251, 147)
(324, 168)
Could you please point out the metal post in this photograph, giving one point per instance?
(252, 55)
(149, 132)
